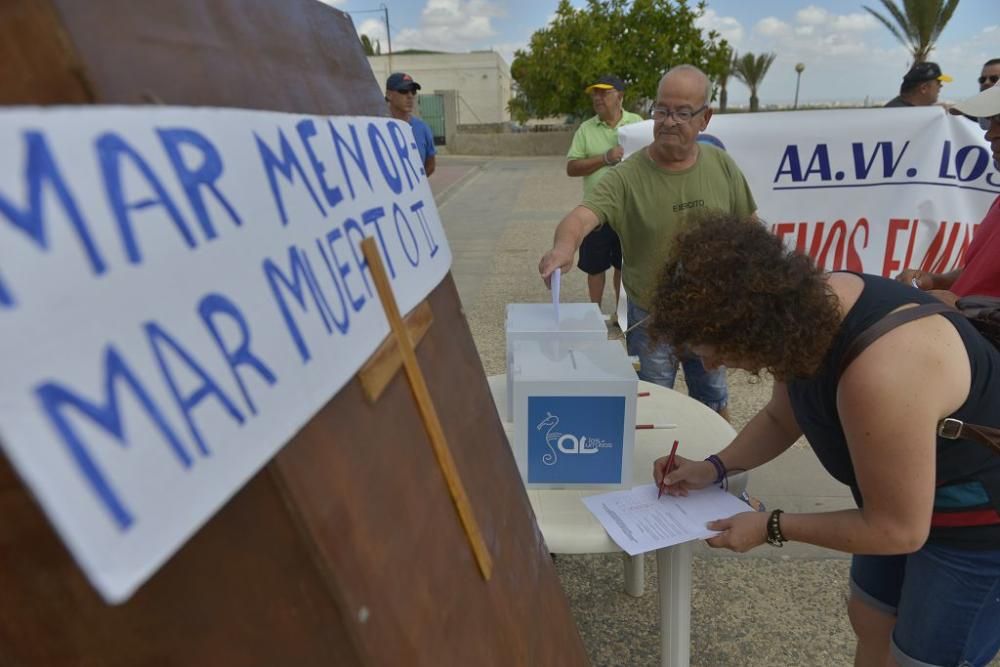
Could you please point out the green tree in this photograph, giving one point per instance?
(917, 24)
(751, 70)
(367, 46)
(637, 40)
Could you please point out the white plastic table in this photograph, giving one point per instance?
(570, 528)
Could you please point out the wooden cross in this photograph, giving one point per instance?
(400, 334)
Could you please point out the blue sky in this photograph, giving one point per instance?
(847, 54)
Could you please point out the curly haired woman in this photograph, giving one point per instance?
(925, 576)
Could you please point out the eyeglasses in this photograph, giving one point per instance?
(680, 115)
(987, 122)
(993, 78)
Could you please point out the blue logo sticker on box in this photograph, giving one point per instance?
(575, 439)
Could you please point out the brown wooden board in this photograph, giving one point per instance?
(346, 549)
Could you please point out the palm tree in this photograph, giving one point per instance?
(723, 79)
(918, 24)
(751, 69)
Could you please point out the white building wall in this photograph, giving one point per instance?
(481, 78)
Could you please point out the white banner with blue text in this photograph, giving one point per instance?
(180, 291)
(870, 190)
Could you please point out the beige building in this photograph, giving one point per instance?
(481, 80)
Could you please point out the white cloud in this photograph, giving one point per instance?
(839, 44)
(991, 28)
(772, 27)
(821, 18)
(374, 28)
(507, 49)
(841, 56)
(817, 33)
(812, 15)
(855, 22)
(333, 3)
(962, 58)
(727, 26)
(450, 25)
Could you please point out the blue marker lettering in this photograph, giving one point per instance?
(213, 305)
(194, 179)
(111, 149)
(55, 398)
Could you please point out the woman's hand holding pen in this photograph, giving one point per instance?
(684, 476)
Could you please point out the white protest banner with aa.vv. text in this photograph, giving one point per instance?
(870, 190)
(180, 291)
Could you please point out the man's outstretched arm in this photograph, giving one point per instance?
(568, 237)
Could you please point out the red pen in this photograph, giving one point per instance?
(667, 469)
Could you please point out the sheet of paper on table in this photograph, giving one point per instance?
(638, 521)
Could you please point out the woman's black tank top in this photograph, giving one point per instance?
(967, 497)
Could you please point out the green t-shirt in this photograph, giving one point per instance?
(593, 138)
(647, 206)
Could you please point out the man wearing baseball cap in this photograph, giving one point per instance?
(594, 150)
(921, 86)
(401, 94)
(648, 199)
(981, 274)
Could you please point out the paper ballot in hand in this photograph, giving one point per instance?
(556, 275)
(639, 522)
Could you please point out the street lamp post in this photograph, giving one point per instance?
(388, 33)
(798, 77)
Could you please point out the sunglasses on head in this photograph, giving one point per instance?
(993, 78)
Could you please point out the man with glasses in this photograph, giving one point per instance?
(921, 86)
(981, 274)
(646, 199)
(401, 94)
(990, 74)
(594, 150)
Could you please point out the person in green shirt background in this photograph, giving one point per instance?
(594, 151)
(647, 200)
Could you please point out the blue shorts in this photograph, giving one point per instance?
(659, 364)
(946, 602)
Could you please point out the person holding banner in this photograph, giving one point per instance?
(646, 200)
(594, 150)
(981, 273)
(925, 575)
(921, 86)
(401, 94)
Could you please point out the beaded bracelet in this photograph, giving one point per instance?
(720, 468)
(774, 535)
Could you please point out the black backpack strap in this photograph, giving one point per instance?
(884, 326)
(950, 428)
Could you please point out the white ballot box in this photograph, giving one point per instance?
(574, 413)
(578, 322)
